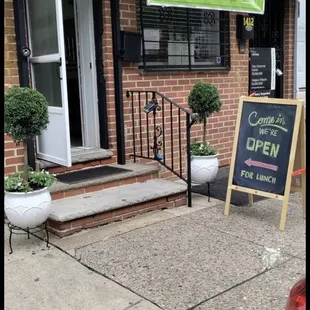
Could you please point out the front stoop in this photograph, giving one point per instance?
(137, 173)
(70, 215)
(82, 157)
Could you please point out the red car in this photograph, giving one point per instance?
(297, 296)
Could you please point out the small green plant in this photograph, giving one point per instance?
(37, 180)
(204, 101)
(25, 117)
(200, 149)
(41, 179)
(16, 183)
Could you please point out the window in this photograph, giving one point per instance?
(183, 39)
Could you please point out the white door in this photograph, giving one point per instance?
(87, 72)
(48, 70)
(301, 49)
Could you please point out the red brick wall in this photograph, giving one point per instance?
(13, 155)
(231, 85)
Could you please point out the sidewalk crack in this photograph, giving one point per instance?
(133, 304)
(238, 284)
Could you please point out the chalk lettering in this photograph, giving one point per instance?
(265, 147)
(270, 121)
(274, 132)
(246, 174)
(265, 178)
(258, 145)
(250, 144)
(274, 150)
(253, 121)
(263, 131)
(280, 120)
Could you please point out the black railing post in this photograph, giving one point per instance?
(118, 81)
(180, 142)
(171, 136)
(155, 146)
(188, 155)
(140, 122)
(133, 128)
(147, 126)
(163, 122)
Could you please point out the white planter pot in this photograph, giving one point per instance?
(27, 209)
(204, 168)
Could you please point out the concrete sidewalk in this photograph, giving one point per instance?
(183, 258)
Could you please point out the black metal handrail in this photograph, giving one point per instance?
(170, 126)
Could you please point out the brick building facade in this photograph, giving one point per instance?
(13, 154)
(231, 84)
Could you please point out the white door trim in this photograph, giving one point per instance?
(300, 50)
(87, 72)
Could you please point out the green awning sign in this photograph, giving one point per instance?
(246, 6)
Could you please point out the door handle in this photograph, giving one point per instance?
(279, 72)
(58, 64)
(25, 50)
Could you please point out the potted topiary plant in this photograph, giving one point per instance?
(27, 200)
(203, 101)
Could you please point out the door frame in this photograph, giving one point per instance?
(87, 72)
(22, 40)
(98, 16)
(277, 38)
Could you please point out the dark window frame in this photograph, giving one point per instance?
(148, 63)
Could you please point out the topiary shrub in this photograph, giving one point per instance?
(25, 116)
(204, 101)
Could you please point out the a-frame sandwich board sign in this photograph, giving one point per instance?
(268, 156)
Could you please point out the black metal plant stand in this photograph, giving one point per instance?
(208, 184)
(18, 230)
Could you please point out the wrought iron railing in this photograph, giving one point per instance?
(160, 131)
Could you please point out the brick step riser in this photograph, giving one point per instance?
(99, 187)
(79, 166)
(62, 229)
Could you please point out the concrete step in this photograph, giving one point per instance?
(70, 215)
(82, 157)
(138, 173)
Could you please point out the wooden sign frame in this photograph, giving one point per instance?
(297, 159)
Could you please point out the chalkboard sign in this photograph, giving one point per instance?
(264, 146)
(262, 72)
(265, 151)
